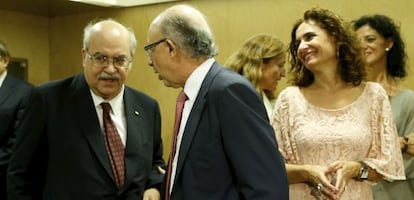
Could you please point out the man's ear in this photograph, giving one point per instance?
(6, 60)
(83, 57)
(172, 47)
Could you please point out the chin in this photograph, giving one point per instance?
(167, 84)
(369, 62)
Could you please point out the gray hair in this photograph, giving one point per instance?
(4, 52)
(88, 28)
(190, 33)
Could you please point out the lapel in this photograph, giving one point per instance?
(88, 120)
(6, 89)
(134, 115)
(194, 117)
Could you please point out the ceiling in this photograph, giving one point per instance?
(48, 8)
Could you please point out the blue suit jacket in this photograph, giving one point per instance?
(60, 151)
(228, 150)
(13, 96)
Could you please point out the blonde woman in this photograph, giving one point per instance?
(261, 59)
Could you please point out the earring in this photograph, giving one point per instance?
(337, 53)
(387, 49)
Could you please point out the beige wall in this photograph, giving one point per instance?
(27, 36)
(232, 21)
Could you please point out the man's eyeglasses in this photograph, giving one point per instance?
(148, 48)
(100, 60)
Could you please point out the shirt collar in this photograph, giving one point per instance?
(116, 102)
(193, 84)
(2, 77)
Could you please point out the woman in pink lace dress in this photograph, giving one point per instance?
(335, 131)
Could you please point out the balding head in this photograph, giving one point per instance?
(188, 29)
(106, 44)
(102, 27)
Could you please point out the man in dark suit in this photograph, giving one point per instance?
(13, 93)
(225, 148)
(69, 148)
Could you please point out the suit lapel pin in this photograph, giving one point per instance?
(136, 113)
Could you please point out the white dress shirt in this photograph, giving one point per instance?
(2, 77)
(117, 112)
(191, 88)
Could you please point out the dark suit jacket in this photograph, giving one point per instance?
(13, 94)
(60, 152)
(228, 150)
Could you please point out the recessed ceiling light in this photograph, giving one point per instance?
(121, 3)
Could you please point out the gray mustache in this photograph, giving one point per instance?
(109, 76)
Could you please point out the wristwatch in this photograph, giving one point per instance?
(404, 148)
(363, 172)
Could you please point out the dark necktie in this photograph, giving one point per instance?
(182, 97)
(114, 146)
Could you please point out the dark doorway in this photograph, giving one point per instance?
(18, 68)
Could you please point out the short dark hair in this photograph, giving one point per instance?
(386, 27)
(349, 50)
(4, 52)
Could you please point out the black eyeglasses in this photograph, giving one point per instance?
(100, 60)
(148, 48)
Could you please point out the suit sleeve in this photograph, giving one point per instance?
(156, 178)
(250, 144)
(27, 165)
(5, 151)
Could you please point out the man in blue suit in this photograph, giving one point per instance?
(225, 148)
(13, 96)
(72, 145)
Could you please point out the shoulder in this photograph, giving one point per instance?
(139, 96)
(404, 97)
(289, 95)
(65, 82)
(373, 86)
(407, 93)
(375, 89)
(220, 78)
(62, 88)
(289, 92)
(228, 76)
(18, 83)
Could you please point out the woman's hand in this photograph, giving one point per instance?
(403, 143)
(348, 170)
(410, 144)
(321, 178)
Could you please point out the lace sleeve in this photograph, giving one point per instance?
(385, 154)
(280, 122)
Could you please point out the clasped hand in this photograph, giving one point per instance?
(333, 177)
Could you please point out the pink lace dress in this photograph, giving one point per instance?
(361, 131)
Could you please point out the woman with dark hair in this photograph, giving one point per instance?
(386, 62)
(335, 131)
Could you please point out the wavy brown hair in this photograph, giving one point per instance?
(349, 50)
(258, 49)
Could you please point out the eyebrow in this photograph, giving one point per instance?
(116, 56)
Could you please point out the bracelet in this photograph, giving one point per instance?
(363, 172)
